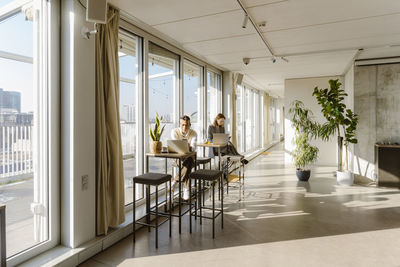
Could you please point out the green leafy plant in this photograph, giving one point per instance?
(338, 117)
(304, 153)
(158, 130)
(305, 130)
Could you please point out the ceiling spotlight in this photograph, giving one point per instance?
(245, 20)
(285, 59)
(246, 60)
(273, 60)
(262, 24)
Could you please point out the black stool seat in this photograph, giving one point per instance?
(152, 178)
(203, 160)
(208, 175)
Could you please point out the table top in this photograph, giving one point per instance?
(211, 145)
(171, 155)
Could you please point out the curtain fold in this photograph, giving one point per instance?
(110, 199)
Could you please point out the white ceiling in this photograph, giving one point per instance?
(318, 37)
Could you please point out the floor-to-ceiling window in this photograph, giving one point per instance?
(239, 118)
(163, 86)
(214, 96)
(26, 80)
(128, 86)
(192, 95)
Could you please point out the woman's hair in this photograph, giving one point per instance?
(219, 116)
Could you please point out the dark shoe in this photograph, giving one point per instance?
(244, 161)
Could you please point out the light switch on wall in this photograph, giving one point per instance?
(85, 182)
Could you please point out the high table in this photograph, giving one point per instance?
(217, 146)
(180, 158)
(3, 257)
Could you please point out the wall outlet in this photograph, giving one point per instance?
(85, 182)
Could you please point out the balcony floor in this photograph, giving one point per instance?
(282, 222)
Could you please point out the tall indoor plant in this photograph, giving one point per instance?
(155, 134)
(341, 121)
(305, 129)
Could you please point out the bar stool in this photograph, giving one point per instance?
(212, 176)
(203, 161)
(236, 160)
(151, 179)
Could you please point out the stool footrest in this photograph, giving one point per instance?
(151, 224)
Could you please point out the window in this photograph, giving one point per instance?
(163, 87)
(25, 159)
(214, 96)
(128, 87)
(239, 119)
(192, 95)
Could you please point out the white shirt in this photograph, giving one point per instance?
(191, 136)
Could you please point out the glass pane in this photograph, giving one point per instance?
(213, 96)
(163, 70)
(19, 34)
(249, 122)
(128, 71)
(22, 182)
(191, 95)
(239, 120)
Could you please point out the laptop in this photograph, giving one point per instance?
(220, 139)
(178, 146)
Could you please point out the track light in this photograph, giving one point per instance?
(245, 20)
(273, 59)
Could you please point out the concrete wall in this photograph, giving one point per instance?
(376, 101)
(77, 127)
(301, 89)
(349, 101)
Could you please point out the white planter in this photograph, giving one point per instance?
(345, 178)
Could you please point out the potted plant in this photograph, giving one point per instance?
(305, 129)
(340, 121)
(155, 134)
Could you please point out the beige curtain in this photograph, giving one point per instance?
(109, 169)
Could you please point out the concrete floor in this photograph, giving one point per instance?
(282, 222)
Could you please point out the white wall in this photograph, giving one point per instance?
(302, 89)
(78, 127)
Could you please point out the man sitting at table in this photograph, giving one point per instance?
(184, 132)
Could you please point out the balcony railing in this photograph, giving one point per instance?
(15, 150)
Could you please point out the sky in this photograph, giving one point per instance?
(17, 37)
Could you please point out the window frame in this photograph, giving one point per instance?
(47, 77)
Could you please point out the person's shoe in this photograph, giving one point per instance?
(173, 183)
(185, 193)
(244, 161)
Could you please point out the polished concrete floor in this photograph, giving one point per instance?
(281, 222)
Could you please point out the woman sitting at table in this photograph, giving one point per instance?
(218, 127)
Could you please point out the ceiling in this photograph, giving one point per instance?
(317, 37)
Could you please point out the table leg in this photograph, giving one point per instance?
(180, 195)
(3, 257)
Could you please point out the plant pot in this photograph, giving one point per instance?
(155, 147)
(345, 178)
(303, 175)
